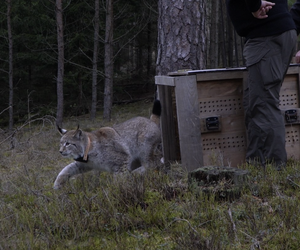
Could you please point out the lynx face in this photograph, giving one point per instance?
(71, 146)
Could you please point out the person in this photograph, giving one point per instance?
(270, 31)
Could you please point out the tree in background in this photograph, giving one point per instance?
(36, 69)
(223, 45)
(108, 60)
(10, 63)
(135, 51)
(181, 35)
(60, 62)
(95, 61)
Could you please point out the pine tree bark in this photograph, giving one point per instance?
(95, 61)
(213, 43)
(60, 63)
(10, 70)
(181, 35)
(108, 61)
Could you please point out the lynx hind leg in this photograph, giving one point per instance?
(158, 153)
(149, 158)
(156, 156)
(140, 170)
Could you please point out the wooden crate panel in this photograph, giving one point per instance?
(216, 89)
(292, 141)
(289, 93)
(225, 99)
(289, 99)
(223, 142)
(220, 149)
(218, 96)
(229, 124)
(222, 106)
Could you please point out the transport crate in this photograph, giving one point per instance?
(203, 118)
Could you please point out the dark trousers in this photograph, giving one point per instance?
(267, 60)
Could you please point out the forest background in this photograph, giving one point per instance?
(97, 211)
(29, 52)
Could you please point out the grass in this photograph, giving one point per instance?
(156, 211)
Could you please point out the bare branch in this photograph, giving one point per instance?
(178, 219)
(149, 6)
(44, 119)
(4, 110)
(233, 224)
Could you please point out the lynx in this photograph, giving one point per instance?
(130, 146)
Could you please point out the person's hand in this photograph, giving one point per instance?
(263, 10)
(297, 57)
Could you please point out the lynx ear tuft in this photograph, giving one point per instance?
(61, 130)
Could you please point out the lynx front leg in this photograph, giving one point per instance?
(70, 170)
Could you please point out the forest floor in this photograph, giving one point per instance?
(156, 211)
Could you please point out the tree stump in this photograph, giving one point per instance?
(224, 182)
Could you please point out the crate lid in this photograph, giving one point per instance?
(184, 72)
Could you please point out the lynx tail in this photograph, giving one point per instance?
(156, 112)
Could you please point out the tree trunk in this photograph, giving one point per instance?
(181, 35)
(225, 48)
(213, 43)
(222, 33)
(80, 106)
(108, 63)
(60, 63)
(10, 70)
(149, 49)
(95, 61)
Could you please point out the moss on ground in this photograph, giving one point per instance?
(159, 211)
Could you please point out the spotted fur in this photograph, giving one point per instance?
(130, 146)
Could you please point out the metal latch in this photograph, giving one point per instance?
(291, 116)
(211, 124)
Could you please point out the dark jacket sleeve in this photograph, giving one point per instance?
(295, 12)
(253, 5)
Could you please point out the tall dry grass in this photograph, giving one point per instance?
(155, 211)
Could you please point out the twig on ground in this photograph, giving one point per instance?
(178, 219)
(233, 225)
(292, 182)
(256, 244)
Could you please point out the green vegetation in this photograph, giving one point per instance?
(156, 211)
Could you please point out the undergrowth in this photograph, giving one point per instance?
(154, 211)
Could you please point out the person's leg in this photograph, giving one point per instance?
(279, 63)
(267, 61)
(253, 105)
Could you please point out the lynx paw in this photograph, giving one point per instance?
(60, 181)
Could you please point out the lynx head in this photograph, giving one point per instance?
(73, 144)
